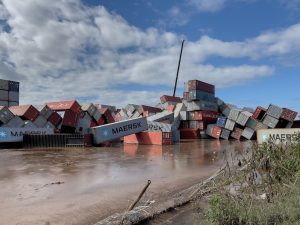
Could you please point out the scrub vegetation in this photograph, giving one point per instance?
(263, 189)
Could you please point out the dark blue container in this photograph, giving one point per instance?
(221, 121)
(13, 86)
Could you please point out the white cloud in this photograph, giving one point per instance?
(63, 50)
(208, 5)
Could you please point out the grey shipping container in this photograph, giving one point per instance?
(40, 121)
(15, 122)
(201, 95)
(90, 108)
(4, 85)
(162, 116)
(248, 133)
(176, 135)
(219, 101)
(117, 130)
(243, 118)
(16, 134)
(202, 105)
(13, 86)
(84, 123)
(46, 112)
(234, 114)
(13, 104)
(97, 115)
(274, 111)
(252, 123)
(29, 124)
(4, 103)
(3, 95)
(136, 114)
(229, 124)
(49, 125)
(270, 121)
(157, 126)
(123, 114)
(225, 134)
(13, 96)
(260, 126)
(277, 136)
(5, 114)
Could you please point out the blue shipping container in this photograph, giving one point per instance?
(13, 86)
(221, 121)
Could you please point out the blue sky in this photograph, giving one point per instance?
(126, 51)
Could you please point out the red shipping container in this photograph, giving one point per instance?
(64, 105)
(88, 140)
(206, 116)
(296, 124)
(101, 121)
(107, 115)
(201, 86)
(184, 124)
(55, 119)
(189, 133)
(149, 109)
(26, 112)
(150, 138)
(70, 118)
(237, 133)
(214, 131)
(93, 123)
(288, 115)
(259, 113)
(167, 98)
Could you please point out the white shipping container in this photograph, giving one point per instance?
(229, 124)
(183, 115)
(274, 111)
(40, 121)
(16, 134)
(157, 126)
(136, 115)
(277, 136)
(117, 130)
(13, 96)
(270, 121)
(4, 85)
(234, 114)
(162, 116)
(3, 95)
(4, 103)
(5, 114)
(243, 118)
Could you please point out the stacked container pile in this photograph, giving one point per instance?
(202, 110)
(9, 93)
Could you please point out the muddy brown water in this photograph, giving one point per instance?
(82, 186)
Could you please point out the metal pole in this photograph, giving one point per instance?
(178, 68)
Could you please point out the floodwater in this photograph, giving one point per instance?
(82, 186)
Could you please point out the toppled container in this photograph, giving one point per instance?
(274, 111)
(117, 130)
(64, 105)
(150, 138)
(200, 85)
(5, 115)
(259, 113)
(164, 116)
(288, 115)
(25, 112)
(213, 130)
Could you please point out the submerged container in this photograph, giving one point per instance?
(236, 133)
(213, 131)
(225, 134)
(150, 138)
(189, 133)
(117, 130)
(248, 133)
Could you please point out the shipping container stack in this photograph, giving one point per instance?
(9, 93)
(202, 110)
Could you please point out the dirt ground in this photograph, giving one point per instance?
(83, 186)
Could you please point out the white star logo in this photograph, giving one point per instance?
(265, 137)
(105, 133)
(3, 135)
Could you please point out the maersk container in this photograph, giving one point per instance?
(117, 130)
(274, 111)
(270, 121)
(40, 121)
(90, 108)
(243, 118)
(157, 126)
(201, 95)
(5, 114)
(248, 133)
(278, 136)
(202, 105)
(225, 134)
(161, 117)
(229, 125)
(4, 85)
(3, 95)
(16, 134)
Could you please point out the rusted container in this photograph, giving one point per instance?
(4, 85)
(90, 108)
(101, 121)
(189, 133)
(167, 98)
(195, 124)
(274, 111)
(5, 114)
(248, 133)
(288, 115)
(213, 130)
(243, 118)
(150, 138)
(270, 121)
(202, 86)
(229, 125)
(237, 133)
(40, 121)
(106, 113)
(186, 96)
(70, 118)
(259, 113)
(3, 95)
(225, 134)
(184, 124)
(64, 105)
(55, 119)
(25, 112)
(201, 95)
(221, 121)
(13, 86)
